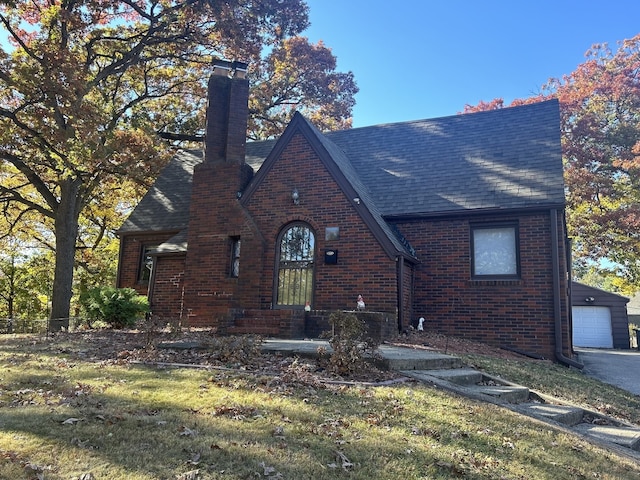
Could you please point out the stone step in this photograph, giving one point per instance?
(628, 437)
(563, 414)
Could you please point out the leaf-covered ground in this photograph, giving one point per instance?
(209, 349)
(87, 406)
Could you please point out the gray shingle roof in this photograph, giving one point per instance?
(500, 159)
(353, 179)
(165, 207)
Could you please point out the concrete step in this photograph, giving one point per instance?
(471, 382)
(505, 393)
(459, 376)
(562, 414)
(628, 437)
(408, 359)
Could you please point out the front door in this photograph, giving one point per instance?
(294, 265)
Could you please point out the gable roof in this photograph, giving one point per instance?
(496, 160)
(581, 289)
(339, 166)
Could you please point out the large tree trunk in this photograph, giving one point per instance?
(12, 289)
(66, 231)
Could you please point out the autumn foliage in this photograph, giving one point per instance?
(600, 129)
(87, 87)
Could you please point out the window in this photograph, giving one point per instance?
(235, 257)
(146, 264)
(295, 266)
(331, 234)
(495, 251)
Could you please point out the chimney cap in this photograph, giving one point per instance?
(235, 69)
(221, 67)
(240, 69)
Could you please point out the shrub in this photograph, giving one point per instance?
(236, 350)
(118, 307)
(350, 343)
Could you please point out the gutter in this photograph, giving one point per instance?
(557, 308)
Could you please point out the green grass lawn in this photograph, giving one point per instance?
(64, 417)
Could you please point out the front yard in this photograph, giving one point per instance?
(78, 406)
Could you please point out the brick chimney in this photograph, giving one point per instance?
(227, 111)
(216, 217)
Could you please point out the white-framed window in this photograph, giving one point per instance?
(495, 251)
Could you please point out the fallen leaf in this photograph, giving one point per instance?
(342, 458)
(187, 432)
(71, 421)
(191, 475)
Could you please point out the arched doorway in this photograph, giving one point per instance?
(294, 266)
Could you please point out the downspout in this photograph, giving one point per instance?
(152, 283)
(557, 305)
(120, 256)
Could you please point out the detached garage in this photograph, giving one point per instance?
(599, 318)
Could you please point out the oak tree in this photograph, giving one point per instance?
(85, 85)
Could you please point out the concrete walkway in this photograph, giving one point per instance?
(449, 373)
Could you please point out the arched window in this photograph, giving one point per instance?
(295, 266)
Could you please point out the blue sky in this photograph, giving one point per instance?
(415, 59)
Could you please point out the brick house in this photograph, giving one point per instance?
(458, 220)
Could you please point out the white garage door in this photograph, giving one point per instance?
(592, 327)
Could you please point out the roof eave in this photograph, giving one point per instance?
(401, 217)
(119, 233)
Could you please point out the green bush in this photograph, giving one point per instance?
(117, 307)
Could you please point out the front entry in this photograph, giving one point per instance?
(294, 266)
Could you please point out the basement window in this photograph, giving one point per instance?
(495, 251)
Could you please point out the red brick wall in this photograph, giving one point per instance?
(131, 247)
(226, 126)
(512, 313)
(363, 267)
(167, 292)
(407, 297)
(215, 217)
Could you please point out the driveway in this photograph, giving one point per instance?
(616, 367)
